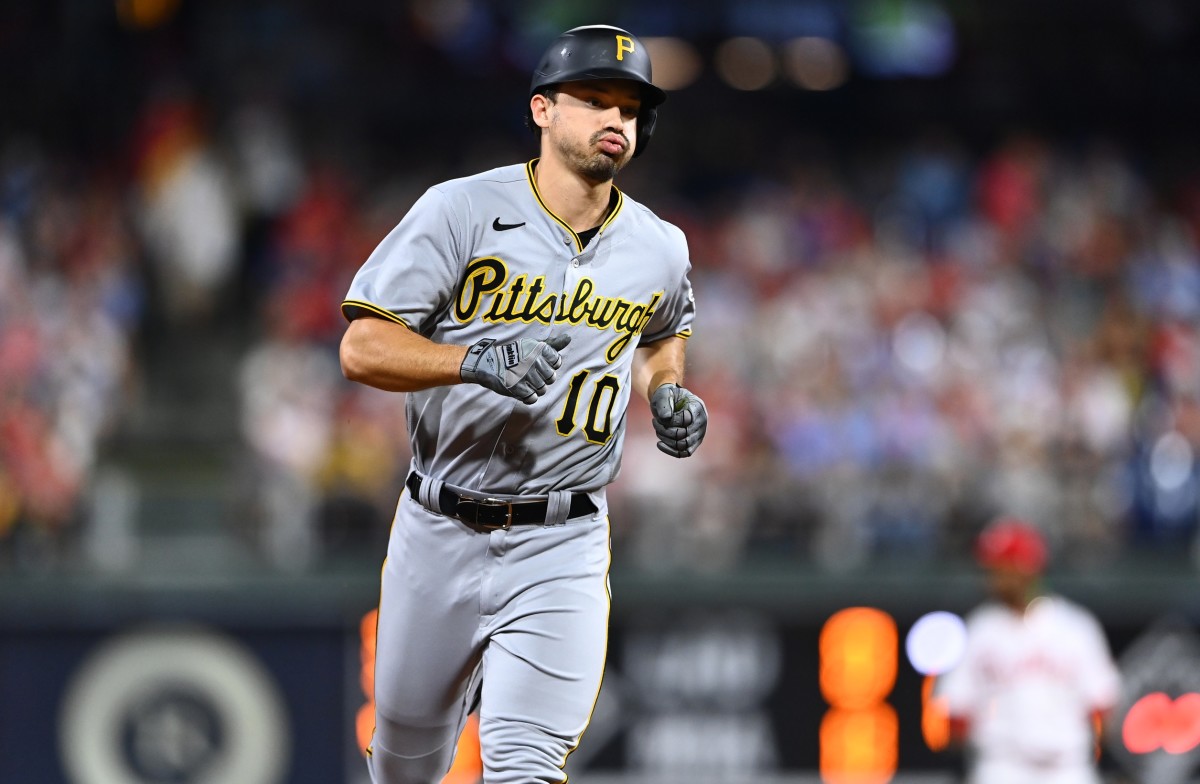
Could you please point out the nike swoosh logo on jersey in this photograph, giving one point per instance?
(498, 226)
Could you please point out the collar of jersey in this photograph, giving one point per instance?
(529, 167)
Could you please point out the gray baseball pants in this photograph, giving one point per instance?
(521, 614)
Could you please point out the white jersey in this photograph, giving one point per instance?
(483, 257)
(1028, 684)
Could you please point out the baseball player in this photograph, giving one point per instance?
(1037, 676)
(519, 309)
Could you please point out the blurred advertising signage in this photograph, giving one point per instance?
(1155, 729)
(173, 704)
(697, 692)
(1157, 721)
(726, 694)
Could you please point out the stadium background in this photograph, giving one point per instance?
(946, 256)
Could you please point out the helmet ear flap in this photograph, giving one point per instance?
(646, 122)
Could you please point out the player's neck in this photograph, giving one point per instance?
(1021, 602)
(581, 202)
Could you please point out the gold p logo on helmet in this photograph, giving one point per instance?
(624, 44)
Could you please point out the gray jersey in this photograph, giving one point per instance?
(483, 257)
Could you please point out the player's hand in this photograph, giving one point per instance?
(680, 420)
(520, 368)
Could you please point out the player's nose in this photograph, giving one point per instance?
(616, 119)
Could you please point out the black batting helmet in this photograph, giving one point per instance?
(601, 52)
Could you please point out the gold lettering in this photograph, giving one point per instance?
(604, 312)
(634, 326)
(624, 44)
(540, 310)
(580, 305)
(496, 311)
(525, 310)
(526, 300)
(631, 319)
(483, 276)
(514, 294)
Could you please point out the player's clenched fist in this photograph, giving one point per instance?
(680, 420)
(521, 368)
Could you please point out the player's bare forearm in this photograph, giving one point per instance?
(658, 363)
(390, 356)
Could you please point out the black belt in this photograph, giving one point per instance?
(493, 514)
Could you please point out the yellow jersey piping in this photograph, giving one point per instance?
(373, 309)
(529, 167)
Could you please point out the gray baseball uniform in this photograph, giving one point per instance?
(522, 611)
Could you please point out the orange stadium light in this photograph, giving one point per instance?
(935, 717)
(365, 721)
(467, 767)
(145, 14)
(860, 746)
(468, 762)
(860, 735)
(858, 650)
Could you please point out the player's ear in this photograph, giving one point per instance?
(539, 110)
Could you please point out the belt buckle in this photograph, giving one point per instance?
(485, 503)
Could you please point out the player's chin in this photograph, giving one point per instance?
(602, 166)
(625, 157)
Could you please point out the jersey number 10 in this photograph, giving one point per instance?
(597, 426)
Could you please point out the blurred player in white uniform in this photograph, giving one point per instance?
(1037, 676)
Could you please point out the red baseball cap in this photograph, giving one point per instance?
(1012, 543)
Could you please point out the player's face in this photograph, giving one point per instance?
(1011, 586)
(593, 126)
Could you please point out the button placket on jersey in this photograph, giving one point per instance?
(572, 272)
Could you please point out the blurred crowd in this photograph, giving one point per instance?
(894, 345)
(71, 301)
(891, 360)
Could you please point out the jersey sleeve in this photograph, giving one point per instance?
(673, 318)
(411, 275)
(958, 688)
(1100, 681)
